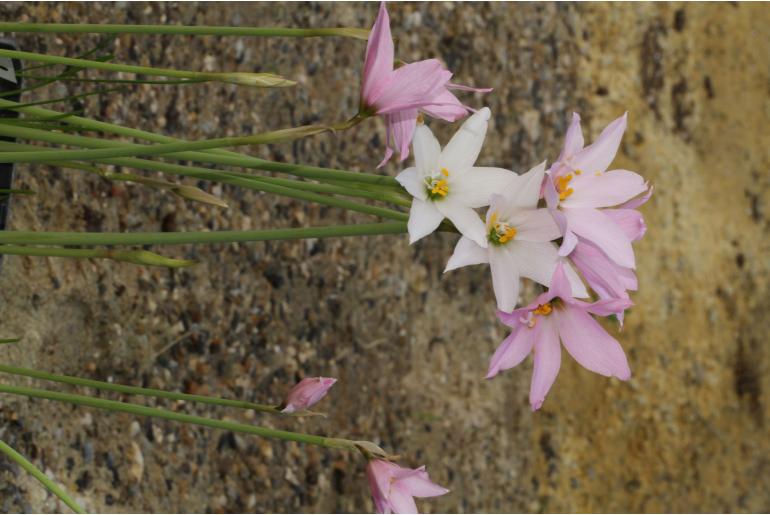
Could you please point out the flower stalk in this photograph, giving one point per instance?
(146, 411)
(260, 80)
(137, 257)
(186, 30)
(40, 476)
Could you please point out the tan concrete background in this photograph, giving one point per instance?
(410, 347)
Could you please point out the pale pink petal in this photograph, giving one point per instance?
(638, 201)
(560, 284)
(590, 344)
(418, 484)
(513, 319)
(547, 361)
(598, 156)
(379, 473)
(604, 190)
(505, 278)
(426, 150)
(400, 500)
(424, 218)
(630, 221)
(607, 307)
(412, 86)
(605, 277)
(379, 57)
(446, 106)
(465, 219)
(401, 126)
(467, 252)
(534, 225)
(306, 393)
(602, 231)
(573, 141)
(512, 350)
(480, 183)
(535, 260)
(463, 149)
(413, 182)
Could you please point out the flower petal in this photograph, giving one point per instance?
(602, 231)
(573, 141)
(463, 149)
(590, 344)
(505, 278)
(512, 350)
(534, 225)
(426, 150)
(465, 219)
(446, 106)
(379, 57)
(630, 221)
(638, 201)
(539, 260)
(605, 277)
(467, 252)
(604, 190)
(598, 156)
(400, 499)
(412, 181)
(525, 193)
(424, 218)
(401, 126)
(477, 186)
(419, 484)
(547, 361)
(412, 86)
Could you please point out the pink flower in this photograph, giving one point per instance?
(580, 189)
(397, 95)
(394, 487)
(306, 393)
(555, 315)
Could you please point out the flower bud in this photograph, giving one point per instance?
(259, 80)
(306, 393)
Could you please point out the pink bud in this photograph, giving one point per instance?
(394, 488)
(306, 393)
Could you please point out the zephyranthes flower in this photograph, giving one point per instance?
(394, 487)
(397, 95)
(580, 187)
(518, 238)
(306, 393)
(444, 183)
(555, 315)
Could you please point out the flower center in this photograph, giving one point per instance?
(438, 185)
(500, 233)
(542, 310)
(562, 185)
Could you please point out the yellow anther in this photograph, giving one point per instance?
(440, 188)
(445, 172)
(508, 234)
(578, 172)
(598, 174)
(493, 219)
(543, 309)
(562, 186)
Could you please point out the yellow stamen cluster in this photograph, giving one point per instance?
(542, 310)
(439, 187)
(500, 232)
(562, 185)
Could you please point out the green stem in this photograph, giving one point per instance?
(216, 156)
(146, 411)
(252, 79)
(137, 257)
(84, 28)
(181, 238)
(40, 476)
(285, 187)
(136, 390)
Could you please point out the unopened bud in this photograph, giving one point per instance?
(145, 257)
(306, 393)
(259, 80)
(198, 195)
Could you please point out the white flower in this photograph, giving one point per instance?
(445, 184)
(519, 241)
